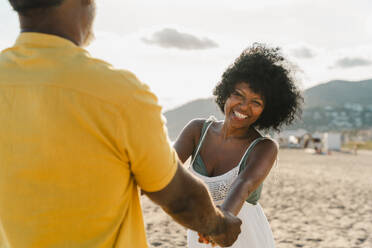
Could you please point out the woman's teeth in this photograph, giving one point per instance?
(239, 115)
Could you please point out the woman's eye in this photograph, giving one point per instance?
(235, 93)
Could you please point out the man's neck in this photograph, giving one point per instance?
(52, 26)
(50, 32)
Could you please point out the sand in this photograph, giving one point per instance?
(322, 201)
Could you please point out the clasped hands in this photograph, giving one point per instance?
(230, 231)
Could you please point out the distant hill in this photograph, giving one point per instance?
(337, 93)
(336, 105)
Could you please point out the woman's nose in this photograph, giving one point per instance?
(245, 106)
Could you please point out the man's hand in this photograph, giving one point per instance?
(230, 231)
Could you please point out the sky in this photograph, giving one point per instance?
(181, 48)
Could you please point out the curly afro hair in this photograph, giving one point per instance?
(23, 6)
(267, 73)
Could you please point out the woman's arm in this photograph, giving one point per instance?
(188, 139)
(259, 164)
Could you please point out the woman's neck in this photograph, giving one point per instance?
(228, 132)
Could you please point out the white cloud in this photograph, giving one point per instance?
(171, 38)
(303, 53)
(321, 68)
(176, 76)
(350, 62)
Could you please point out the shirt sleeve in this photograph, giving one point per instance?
(152, 159)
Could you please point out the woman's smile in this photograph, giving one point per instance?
(240, 116)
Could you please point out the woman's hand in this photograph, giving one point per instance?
(206, 240)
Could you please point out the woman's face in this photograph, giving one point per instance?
(243, 107)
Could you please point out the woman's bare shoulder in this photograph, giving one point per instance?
(194, 127)
(197, 123)
(266, 146)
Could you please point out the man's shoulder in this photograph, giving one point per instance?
(104, 72)
(103, 80)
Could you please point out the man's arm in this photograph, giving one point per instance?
(188, 201)
(153, 163)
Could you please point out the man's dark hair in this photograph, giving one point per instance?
(23, 6)
(267, 73)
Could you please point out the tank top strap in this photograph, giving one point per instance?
(248, 151)
(203, 133)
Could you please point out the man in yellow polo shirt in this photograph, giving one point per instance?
(78, 139)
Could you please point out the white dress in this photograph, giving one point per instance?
(255, 229)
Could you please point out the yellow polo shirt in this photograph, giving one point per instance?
(77, 139)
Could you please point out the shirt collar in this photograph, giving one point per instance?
(41, 39)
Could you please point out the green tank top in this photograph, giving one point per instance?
(199, 166)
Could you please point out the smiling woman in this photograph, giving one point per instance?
(231, 156)
(268, 74)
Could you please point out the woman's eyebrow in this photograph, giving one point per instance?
(254, 98)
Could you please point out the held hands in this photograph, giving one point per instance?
(206, 240)
(230, 231)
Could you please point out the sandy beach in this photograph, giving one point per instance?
(322, 201)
